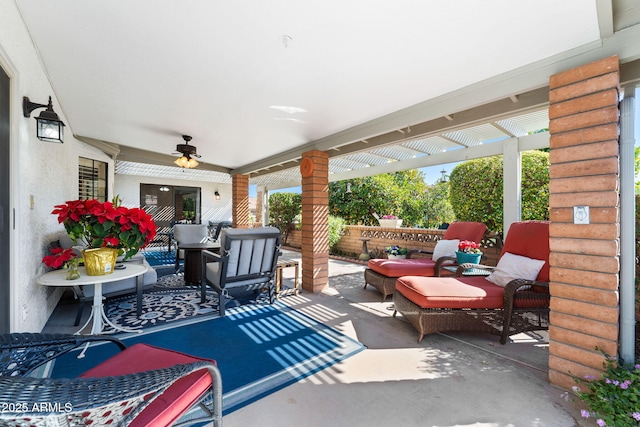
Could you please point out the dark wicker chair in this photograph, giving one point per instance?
(248, 259)
(382, 273)
(117, 392)
(437, 304)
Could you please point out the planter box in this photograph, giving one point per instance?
(389, 256)
(390, 223)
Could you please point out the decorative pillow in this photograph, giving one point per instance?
(445, 248)
(512, 267)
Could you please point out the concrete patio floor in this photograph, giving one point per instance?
(453, 379)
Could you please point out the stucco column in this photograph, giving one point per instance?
(584, 172)
(314, 169)
(240, 201)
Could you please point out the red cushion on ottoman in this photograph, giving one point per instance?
(403, 267)
(450, 292)
(168, 407)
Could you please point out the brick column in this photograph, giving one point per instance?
(315, 220)
(240, 201)
(583, 113)
(259, 209)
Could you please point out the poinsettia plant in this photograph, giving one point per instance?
(107, 224)
(61, 258)
(469, 247)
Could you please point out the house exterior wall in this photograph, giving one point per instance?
(46, 173)
(584, 122)
(128, 188)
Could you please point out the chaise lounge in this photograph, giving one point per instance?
(514, 298)
(383, 273)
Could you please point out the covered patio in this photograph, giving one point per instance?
(397, 380)
(290, 97)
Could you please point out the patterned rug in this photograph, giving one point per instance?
(259, 349)
(171, 300)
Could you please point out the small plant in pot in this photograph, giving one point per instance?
(396, 252)
(468, 252)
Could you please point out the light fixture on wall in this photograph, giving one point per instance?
(164, 188)
(49, 126)
(217, 195)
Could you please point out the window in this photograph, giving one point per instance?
(92, 179)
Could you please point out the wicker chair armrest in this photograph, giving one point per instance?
(462, 267)
(21, 353)
(442, 262)
(523, 289)
(411, 252)
(95, 400)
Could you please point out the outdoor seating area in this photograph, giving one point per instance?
(260, 232)
(383, 273)
(514, 298)
(347, 307)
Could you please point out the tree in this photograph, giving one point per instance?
(476, 189)
(438, 209)
(284, 209)
(403, 194)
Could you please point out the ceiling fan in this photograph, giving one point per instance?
(188, 152)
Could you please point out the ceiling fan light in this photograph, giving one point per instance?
(191, 163)
(181, 161)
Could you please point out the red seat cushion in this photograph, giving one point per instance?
(450, 292)
(178, 398)
(403, 267)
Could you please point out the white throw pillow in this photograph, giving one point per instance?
(512, 267)
(445, 248)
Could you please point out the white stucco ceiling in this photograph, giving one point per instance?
(140, 74)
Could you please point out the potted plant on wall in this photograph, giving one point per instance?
(105, 230)
(390, 221)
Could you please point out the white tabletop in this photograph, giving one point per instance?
(58, 277)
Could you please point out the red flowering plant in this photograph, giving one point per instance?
(469, 247)
(61, 258)
(99, 225)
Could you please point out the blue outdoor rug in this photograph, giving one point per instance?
(157, 258)
(259, 349)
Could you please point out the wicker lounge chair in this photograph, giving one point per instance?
(382, 273)
(248, 259)
(139, 386)
(439, 304)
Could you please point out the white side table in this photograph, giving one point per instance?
(98, 315)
